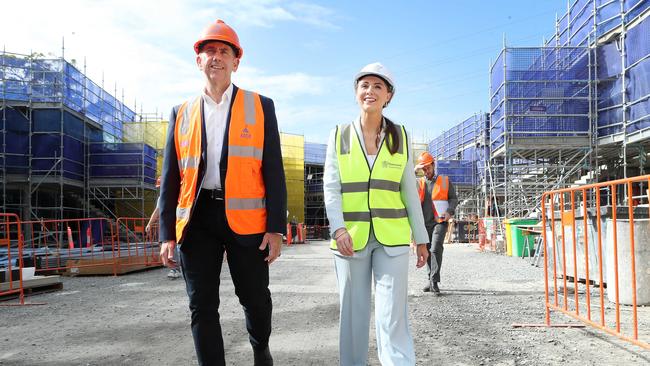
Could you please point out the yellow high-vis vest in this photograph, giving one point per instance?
(371, 196)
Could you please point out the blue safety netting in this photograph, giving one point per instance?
(460, 172)
(24, 78)
(540, 92)
(575, 27)
(315, 153)
(452, 143)
(611, 76)
(123, 161)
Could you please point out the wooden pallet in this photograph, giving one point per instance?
(33, 286)
(107, 266)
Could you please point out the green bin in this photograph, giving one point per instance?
(518, 238)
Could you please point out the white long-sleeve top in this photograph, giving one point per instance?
(408, 192)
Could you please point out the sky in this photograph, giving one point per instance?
(302, 54)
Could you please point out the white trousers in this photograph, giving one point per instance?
(394, 341)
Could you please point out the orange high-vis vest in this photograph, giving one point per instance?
(244, 191)
(440, 191)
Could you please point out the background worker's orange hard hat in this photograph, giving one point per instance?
(219, 31)
(425, 158)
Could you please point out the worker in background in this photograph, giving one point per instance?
(223, 188)
(174, 271)
(372, 206)
(439, 201)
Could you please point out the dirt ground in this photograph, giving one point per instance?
(143, 319)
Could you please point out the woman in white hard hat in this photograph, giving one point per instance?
(374, 210)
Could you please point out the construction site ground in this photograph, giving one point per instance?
(143, 318)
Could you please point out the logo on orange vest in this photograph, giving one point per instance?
(184, 143)
(245, 134)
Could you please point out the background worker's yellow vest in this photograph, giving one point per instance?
(371, 198)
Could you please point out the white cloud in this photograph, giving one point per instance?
(266, 13)
(141, 47)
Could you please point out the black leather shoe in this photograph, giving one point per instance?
(262, 357)
(435, 288)
(427, 288)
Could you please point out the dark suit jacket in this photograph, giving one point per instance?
(272, 170)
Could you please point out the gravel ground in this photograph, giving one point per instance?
(142, 318)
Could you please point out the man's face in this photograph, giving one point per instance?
(217, 61)
(429, 170)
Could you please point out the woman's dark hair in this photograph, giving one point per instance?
(393, 142)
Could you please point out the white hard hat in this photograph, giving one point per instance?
(376, 69)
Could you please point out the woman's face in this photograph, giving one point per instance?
(372, 93)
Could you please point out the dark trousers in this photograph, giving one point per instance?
(207, 236)
(436, 238)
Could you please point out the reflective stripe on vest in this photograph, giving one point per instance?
(372, 198)
(245, 192)
(187, 138)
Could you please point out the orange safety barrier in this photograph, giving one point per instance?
(68, 245)
(289, 237)
(11, 240)
(596, 245)
(134, 245)
(91, 246)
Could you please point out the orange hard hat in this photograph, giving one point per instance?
(219, 31)
(158, 182)
(425, 158)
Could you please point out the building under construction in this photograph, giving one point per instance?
(575, 110)
(67, 149)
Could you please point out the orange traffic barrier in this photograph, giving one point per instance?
(597, 251)
(134, 245)
(289, 236)
(68, 245)
(11, 240)
(91, 246)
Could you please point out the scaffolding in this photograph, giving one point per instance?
(315, 214)
(461, 154)
(540, 124)
(53, 118)
(576, 110)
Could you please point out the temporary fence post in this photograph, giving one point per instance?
(632, 259)
(584, 220)
(613, 193)
(547, 310)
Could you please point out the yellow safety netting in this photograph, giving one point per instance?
(293, 158)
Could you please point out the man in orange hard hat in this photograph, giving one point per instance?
(223, 189)
(439, 201)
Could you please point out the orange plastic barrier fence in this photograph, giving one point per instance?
(135, 245)
(11, 240)
(69, 244)
(289, 236)
(597, 252)
(91, 246)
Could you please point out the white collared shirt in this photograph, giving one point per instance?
(216, 116)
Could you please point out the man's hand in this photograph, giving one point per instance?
(446, 216)
(274, 241)
(344, 242)
(167, 254)
(418, 167)
(423, 255)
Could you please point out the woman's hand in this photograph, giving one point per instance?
(343, 242)
(423, 254)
